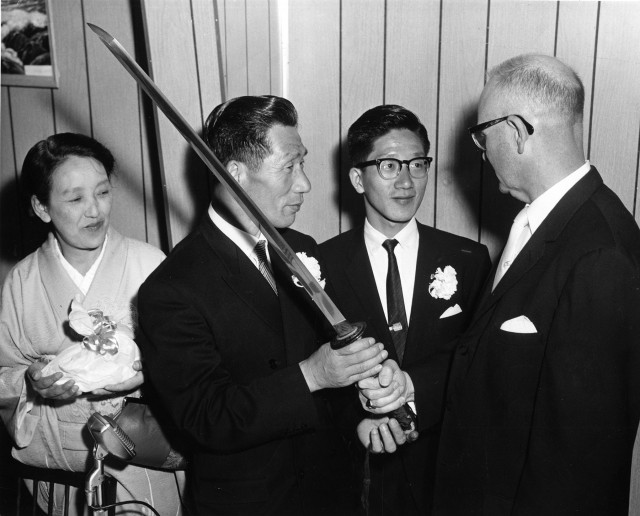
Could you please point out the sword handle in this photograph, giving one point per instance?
(406, 417)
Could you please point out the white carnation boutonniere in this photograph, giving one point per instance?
(444, 283)
(312, 266)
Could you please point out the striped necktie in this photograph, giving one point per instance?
(263, 264)
(396, 314)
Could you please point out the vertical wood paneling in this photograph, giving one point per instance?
(316, 95)
(204, 28)
(184, 176)
(616, 108)
(221, 6)
(153, 207)
(236, 58)
(35, 106)
(259, 48)
(411, 75)
(275, 42)
(345, 56)
(514, 28)
(362, 83)
(71, 98)
(461, 80)
(575, 46)
(115, 112)
(9, 201)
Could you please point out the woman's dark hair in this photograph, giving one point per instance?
(377, 122)
(238, 129)
(46, 155)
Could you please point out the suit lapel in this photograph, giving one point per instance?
(535, 248)
(242, 276)
(425, 310)
(296, 308)
(360, 275)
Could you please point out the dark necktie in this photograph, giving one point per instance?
(263, 264)
(397, 316)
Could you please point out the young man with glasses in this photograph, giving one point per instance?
(389, 273)
(544, 395)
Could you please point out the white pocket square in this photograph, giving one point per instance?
(520, 324)
(452, 310)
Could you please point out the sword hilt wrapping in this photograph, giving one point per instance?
(350, 332)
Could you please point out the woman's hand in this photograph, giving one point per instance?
(46, 386)
(127, 386)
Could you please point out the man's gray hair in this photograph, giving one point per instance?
(543, 82)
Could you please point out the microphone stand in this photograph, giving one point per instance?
(95, 478)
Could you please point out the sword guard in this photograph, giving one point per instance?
(347, 333)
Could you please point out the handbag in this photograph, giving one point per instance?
(152, 447)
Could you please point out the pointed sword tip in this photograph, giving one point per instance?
(102, 34)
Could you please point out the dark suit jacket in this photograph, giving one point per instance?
(544, 423)
(352, 285)
(222, 352)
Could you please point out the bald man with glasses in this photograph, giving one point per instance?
(544, 394)
(413, 285)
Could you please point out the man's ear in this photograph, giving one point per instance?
(235, 168)
(355, 176)
(40, 210)
(520, 133)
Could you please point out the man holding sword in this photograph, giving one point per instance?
(233, 344)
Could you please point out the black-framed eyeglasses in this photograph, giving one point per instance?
(480, 139)
(389, 168)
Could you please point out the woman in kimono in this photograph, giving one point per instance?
(67, 179)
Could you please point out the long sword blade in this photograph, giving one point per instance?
(313, 288)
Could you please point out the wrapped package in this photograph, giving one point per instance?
(106, 354)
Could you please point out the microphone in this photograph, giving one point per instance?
(110, 437)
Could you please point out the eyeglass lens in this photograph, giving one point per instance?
(390, 168)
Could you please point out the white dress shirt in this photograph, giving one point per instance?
(245, 241)
(406, 255)
(542, 206)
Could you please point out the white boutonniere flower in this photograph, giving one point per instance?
(314, 268)
(444, 283)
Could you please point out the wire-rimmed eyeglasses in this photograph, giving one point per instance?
(480, 139)
(389, 168)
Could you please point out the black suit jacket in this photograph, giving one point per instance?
(429, 340)
(222, 353)
(544, 422)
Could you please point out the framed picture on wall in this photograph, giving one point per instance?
(28, 44)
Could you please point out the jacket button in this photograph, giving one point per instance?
(463, 350)
(273, 363)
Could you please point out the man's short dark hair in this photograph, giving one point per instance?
(377, 122)
(238, 129)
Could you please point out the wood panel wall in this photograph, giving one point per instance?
(333, 59)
